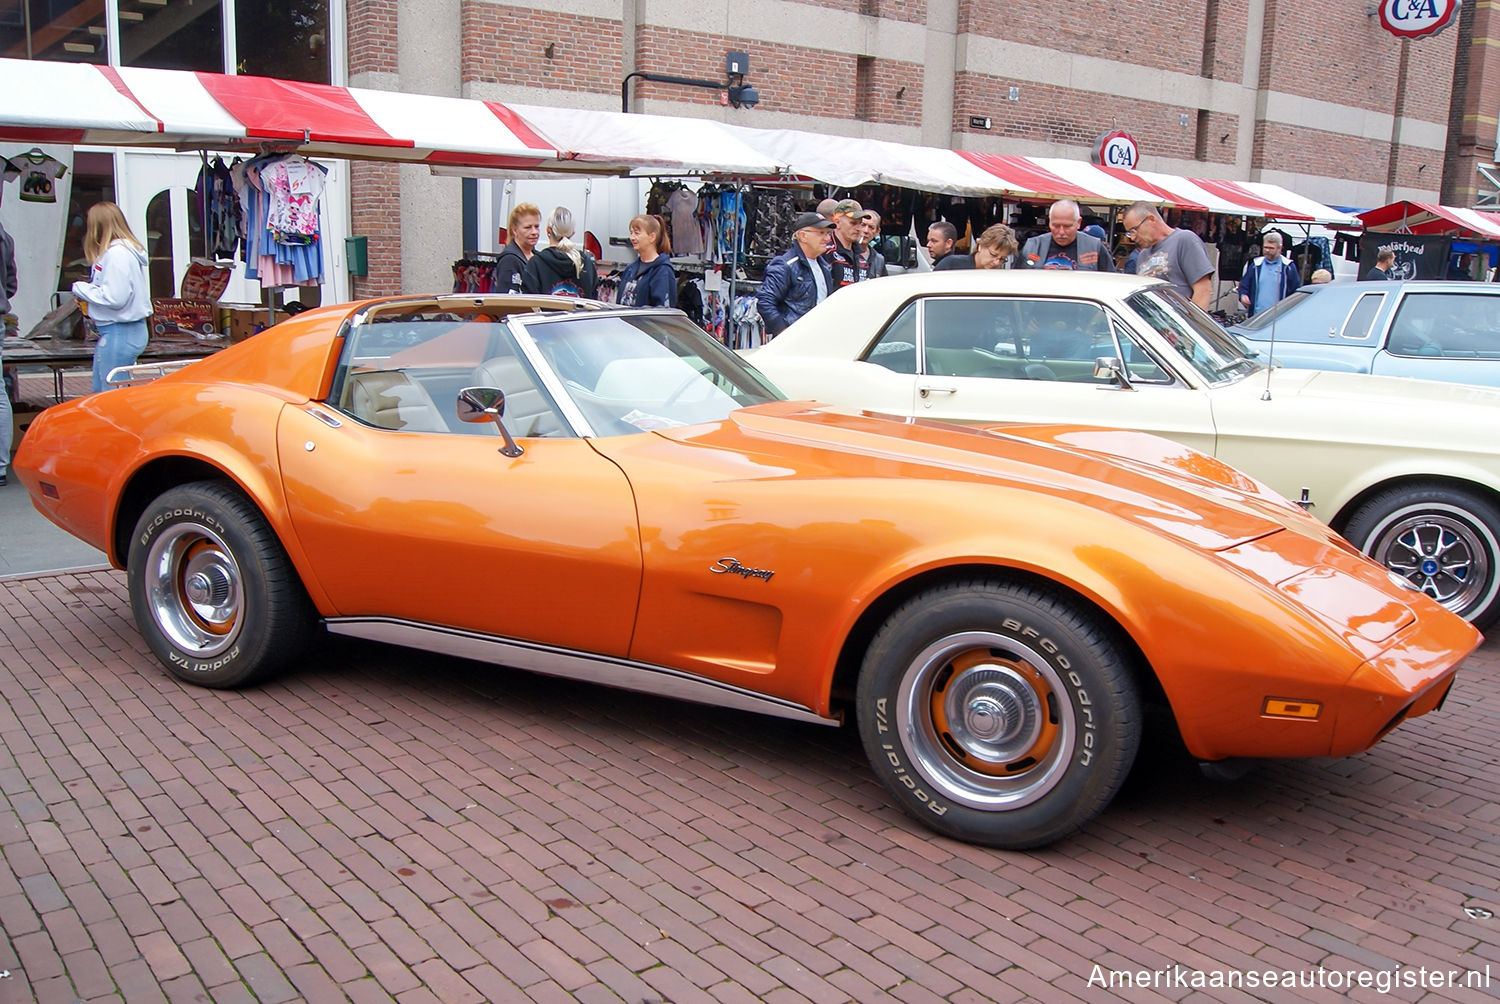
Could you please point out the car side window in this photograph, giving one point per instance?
(403, 373)
(896, 348)
(1455, 325)
(1362, 317)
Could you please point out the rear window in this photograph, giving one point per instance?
(1362, 317)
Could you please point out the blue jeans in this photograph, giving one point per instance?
(120, 343)
(5, 428)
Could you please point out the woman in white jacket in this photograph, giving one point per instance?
(117, 293)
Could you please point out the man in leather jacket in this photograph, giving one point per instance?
(1064, 246)
(799, 278)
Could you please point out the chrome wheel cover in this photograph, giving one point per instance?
(1441, 550)
(194, 591)
(986, 720)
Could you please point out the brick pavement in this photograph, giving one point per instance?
(389, 825)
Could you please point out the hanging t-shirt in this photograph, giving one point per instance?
(9, 171)
(687, 236)
(38, 173)
(294, 185)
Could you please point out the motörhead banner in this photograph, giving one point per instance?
(1418, 256)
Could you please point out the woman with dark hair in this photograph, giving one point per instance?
(562, 268)
(117, 295)
(649, 280)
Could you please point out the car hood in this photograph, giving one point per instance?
(1405, 392)
(1149, 480)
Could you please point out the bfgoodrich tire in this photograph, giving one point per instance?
(213, 592)
(1445, 541)
(998, 714)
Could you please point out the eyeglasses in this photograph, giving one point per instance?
(1130, 231)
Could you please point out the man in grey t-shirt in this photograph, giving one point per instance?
(1177, 256)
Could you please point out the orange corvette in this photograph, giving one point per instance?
(610, 495)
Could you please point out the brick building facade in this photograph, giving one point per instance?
(1245, 89)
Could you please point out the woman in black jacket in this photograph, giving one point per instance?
(562, 268)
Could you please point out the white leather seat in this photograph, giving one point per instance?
(528, 413)
(388, 399)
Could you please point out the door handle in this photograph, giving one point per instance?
(927, 389)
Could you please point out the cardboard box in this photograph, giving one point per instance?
(21, 417)
(247, 321)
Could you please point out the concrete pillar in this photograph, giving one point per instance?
(428, 61)
(940, 63)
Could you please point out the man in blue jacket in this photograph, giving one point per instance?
(799, 278)
(1268, 278)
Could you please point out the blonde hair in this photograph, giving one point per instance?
(104, 225)
(656, 227)
(561, 229)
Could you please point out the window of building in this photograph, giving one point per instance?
(172, 36)
(300, 28)
(288, 39)
(72, 32)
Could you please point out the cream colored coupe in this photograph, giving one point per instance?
(1408, 470)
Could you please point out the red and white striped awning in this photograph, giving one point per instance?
(1427, 218)
(1056, 178)
(128, 106)
(848, 162)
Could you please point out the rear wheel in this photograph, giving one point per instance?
(213, 592)
(1444, 541)
(999, 714)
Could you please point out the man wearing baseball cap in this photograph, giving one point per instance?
(799, 278)
(844, 257)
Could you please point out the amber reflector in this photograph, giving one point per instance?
(1280, 707)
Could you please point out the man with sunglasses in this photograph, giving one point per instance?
(1175, 255)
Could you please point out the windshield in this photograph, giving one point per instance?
(1264, 318)
(636, 372)
(1195, 336)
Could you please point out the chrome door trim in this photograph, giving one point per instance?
(550, 660)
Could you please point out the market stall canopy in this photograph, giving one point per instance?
(81, 103)
(619, 143)
(846, 161)
(1055, 178)
(1426, 218)
(1236, 198)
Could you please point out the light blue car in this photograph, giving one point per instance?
(1434, 330)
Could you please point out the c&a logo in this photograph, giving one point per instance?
(1116, 149)
(1417, 18)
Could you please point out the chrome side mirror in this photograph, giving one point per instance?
(487, 404)
(1112, 369)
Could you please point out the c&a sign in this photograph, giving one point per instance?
(1416, 18)
(1117, 149)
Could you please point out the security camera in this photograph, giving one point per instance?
(744, 96)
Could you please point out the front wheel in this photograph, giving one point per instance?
(999, 714)
(1444, 541)
(213, 592)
